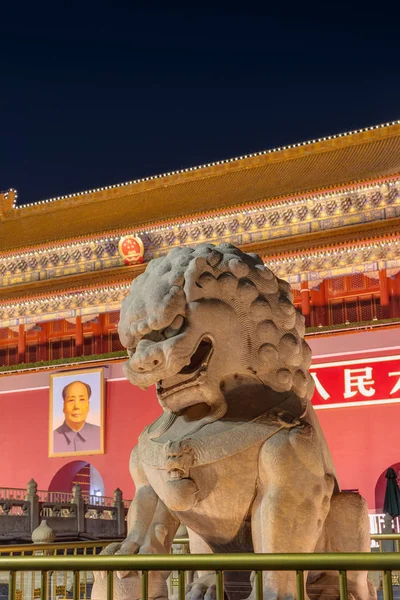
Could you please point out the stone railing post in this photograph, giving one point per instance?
(119, 512)
(34, 509)
(80, 508)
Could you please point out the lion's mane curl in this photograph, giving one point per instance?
(278, 354)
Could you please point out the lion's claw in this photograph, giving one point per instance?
(124, 574)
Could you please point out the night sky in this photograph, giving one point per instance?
(97, 96)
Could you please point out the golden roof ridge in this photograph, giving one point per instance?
(204, 166)
(162, 225)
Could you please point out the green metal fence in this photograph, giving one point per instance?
(299, 563)
(387, 537)
(61, 583)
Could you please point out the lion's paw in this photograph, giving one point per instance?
(128, 584)
(130, 587)
(117, 548)
(203, 587)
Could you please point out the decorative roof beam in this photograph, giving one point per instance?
(261, 224)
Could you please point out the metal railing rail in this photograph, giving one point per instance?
(61, 546)
(387, 537)
(60, 583)
(56, 547)
(385, 562)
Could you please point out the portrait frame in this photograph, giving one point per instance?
(95, 417)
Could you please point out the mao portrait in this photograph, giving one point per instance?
(76, 417)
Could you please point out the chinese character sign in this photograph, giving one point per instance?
(357, 381)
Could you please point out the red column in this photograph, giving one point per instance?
(324, 308)
(392, 297)
(21, 343)
(42, 341)
(305, 298)
(396, 297)
(104, 333)
(384, 293)
(46, 327)
(319, 305)
(305, 302)
(78, 337)
(97, 329)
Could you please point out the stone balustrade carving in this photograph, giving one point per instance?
(73, 515)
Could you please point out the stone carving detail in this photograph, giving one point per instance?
(43, 534)
(238, 456)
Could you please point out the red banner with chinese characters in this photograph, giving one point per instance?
(356, 382)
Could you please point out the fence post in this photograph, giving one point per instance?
(120, 512)
(33, 499)
(388, 545)
(80, 508)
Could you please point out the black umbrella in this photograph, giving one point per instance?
(391, 505)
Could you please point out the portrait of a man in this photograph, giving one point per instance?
(76, 399)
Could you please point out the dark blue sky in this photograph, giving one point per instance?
(97, 96)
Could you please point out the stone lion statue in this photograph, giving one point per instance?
(238, 455)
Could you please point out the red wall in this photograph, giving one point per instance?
(364, 443)
(364, 440)
(24, 437)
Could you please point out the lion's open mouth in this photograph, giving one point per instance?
(198, 357)
(197, 366)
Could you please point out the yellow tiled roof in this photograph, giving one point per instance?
(357, 157)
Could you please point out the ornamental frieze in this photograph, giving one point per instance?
(268, 221)
(87, 304)
(313, 267)
(52, 263)
(347, 260)
(281, 220)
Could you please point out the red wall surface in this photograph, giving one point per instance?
(364, 440)
(24, 437)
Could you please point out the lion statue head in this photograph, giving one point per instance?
(200, 318)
